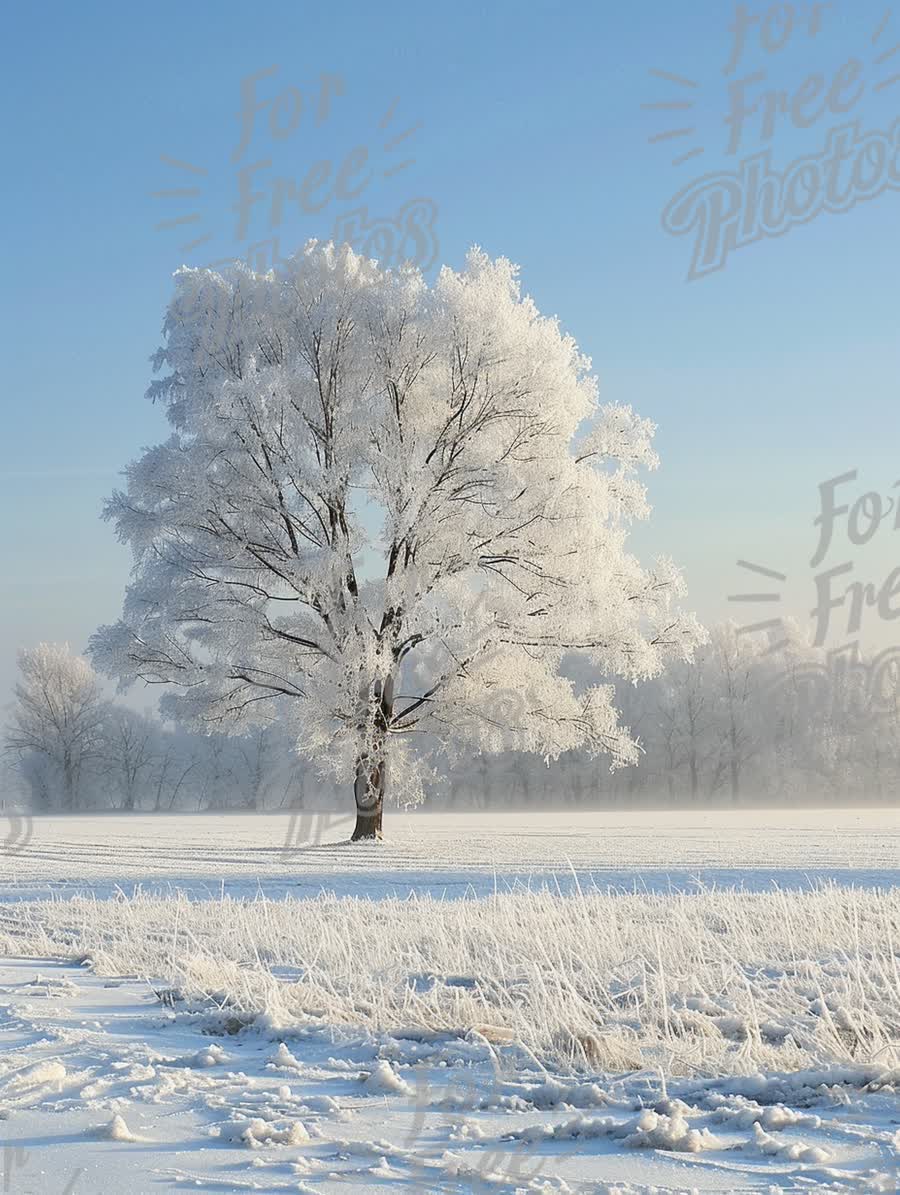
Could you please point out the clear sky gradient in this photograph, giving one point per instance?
(531, 138)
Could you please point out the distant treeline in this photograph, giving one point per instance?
(740, 723)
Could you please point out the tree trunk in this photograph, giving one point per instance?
(70, 783)
(371, 771)
(368, 790)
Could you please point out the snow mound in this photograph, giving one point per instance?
(650, 1130)
(283, 1059)
(654, 1130)
(211, 1056)
(794, 1151)
(118, 1130)
(384, 1080)
(40, 1074)
(774, 1117)
(257, 1132)
(552, 1093)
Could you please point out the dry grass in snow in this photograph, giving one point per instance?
(712, 983)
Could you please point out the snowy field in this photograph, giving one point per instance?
(450, 854)
(571, 1002)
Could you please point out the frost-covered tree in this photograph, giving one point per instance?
(270, 771)
(176, 763)
(738, 723)
(394, 509)
(739, 702)
(56, 727)
(130, 745)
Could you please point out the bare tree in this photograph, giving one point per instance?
(57, 718)
(737, 674)
(130, 747)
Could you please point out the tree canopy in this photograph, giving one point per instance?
(393, 509)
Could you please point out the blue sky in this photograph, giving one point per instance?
(766, 377)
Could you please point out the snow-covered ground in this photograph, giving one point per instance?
(449, 853)
(609, 1002)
